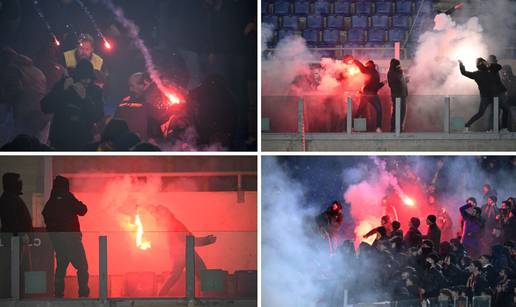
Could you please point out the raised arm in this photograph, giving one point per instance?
(464, 72)
(465, 215)
(360, 66)
(78, 207)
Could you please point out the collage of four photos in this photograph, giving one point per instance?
(276, 153)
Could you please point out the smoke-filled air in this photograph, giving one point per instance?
(303, 265)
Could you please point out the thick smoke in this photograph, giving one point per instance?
(297, 269)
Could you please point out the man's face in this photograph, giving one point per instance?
(489, 201)
(136, 87)
(485, 189)
(84, 50)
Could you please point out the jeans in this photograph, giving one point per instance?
(485, 102)
(374, 100)
(69, 249)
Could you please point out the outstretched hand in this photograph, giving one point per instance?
(210, 239)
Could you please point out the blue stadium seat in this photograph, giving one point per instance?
(265, 7)
(380, 21)
(331, 37)
(342, 7)
(281, 7)
(397, 35)
(314, 21)
(356, 35)
(359, 22)
(400, 21)
(284, 33)
(311, 36)
(404, 7)
(363, 8)
(376, 35)
(425, 6)
(335, 21)
(301, 7)
(290, 22)
(270, 19)
(322, 7)
(383, 7)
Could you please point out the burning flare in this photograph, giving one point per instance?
(408, 201)
(140, 242)
(107, 44)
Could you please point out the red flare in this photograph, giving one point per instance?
(107, 44)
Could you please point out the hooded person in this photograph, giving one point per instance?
(500, 91)
(16, 220)
(14, 215)
(471, 229)
(509, 81)
(329, 223)
(398, 84)
(370, 90)
(77, 105)
(61, 218)
(22, 85)
(486, 86)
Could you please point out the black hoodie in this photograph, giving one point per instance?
(484, 79)
(62, 209)
(14, 215)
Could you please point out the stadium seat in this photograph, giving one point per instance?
(281, 7)
(289, 22)
(376, 35)
(301, 8)
(342, 7)
(356, 35)
(335, 21)
(397, 35)
(265, 7)
(363, 8)
(322, 7)
(400, 21)
(311, 36)
(404, 7)
(314, 21)
(380, 21)
(383, 7)
(359, 22)
(331, 37)
(284, 33)
(270, 19)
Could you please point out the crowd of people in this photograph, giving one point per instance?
(60, 91)
(417, 265)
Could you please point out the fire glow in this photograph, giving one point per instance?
(107, 44)
(140, 242)
(172, 98)
(408, 201)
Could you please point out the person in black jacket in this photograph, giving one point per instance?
(434, 233)
(329, 223)
(413, 237)
(372, 85)
(486, 86)
(500, 91)
(61, 217)
(16, 221)
(398, 84)
(77, 105)
(14, 215)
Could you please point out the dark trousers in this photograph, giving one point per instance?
(403, 110)
(485, 102)
(374, 100)
(69, 249)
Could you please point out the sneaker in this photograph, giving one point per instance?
(504, 130)
(466, 129)
(379, 130)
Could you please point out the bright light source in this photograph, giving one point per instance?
(140, 242)
(408, 201)
(107, 44)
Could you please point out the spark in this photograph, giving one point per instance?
(140, 242)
